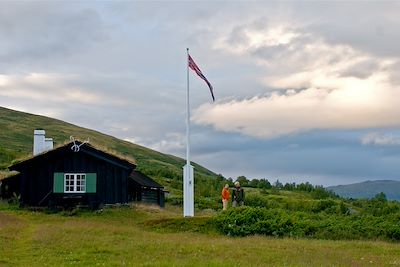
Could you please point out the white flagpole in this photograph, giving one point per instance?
(188, 174)
(187, 113)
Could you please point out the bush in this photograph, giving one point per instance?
(278, 222)
(175, 200)
(208, 203)
(255, 200)
(244, 221)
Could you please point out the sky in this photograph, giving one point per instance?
(305, 91)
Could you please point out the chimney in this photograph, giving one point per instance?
(40, 142)
(48, 143)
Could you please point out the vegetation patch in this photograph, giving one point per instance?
(178, 224)
(245, 221)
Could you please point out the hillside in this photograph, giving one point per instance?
(16, 137)
(369, 189)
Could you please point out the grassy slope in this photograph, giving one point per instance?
(123, 237)
(16, 137)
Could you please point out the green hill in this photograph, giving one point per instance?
(369, 189)
(16, 139)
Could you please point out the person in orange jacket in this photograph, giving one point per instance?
(226, 195)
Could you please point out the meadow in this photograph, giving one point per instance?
(150, 236)
(281, 225)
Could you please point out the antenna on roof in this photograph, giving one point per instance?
(75, 146)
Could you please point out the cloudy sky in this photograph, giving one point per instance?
(305, 91)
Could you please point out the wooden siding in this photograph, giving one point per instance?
(37, 179)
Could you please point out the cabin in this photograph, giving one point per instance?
(78, 174)
(146, 190)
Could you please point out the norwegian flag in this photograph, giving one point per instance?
(196, 69)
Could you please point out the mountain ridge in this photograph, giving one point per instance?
(368, 189)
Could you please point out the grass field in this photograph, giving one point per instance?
(148, 236)
(145, 236)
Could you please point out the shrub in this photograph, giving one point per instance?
(256, 200)
(208, 203)
(278, 222)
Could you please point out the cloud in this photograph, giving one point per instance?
(380, 139)
(172, 143)
(319, 157)
(120, 68)
(46, 32)
(317, 86)
(51, 86)
(357, 104)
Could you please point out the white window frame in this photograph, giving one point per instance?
(75, 178)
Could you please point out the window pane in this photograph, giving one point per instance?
(75, 183)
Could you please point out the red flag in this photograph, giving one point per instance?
(195, 68)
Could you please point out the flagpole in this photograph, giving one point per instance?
(187, 113)
(188, 173)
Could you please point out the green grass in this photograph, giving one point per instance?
(145, 236)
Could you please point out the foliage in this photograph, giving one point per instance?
(15, 200)
(282, 223)
(311, 212)
(242, 180)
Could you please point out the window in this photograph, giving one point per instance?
(74, 183)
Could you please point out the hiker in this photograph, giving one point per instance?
(238, 195)
(225, 197)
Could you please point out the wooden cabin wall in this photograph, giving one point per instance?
(37, 179)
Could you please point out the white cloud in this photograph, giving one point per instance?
(56, 87)
(319, 86)
(172, 143)
(247, 38)
(380, 139)
(355, 105)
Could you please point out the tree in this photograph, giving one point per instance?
(264, 183)
(380, 197)
(242, 180)
(289, 186)
(254, 183)
(220, 178)
(278, 184)
(230, 181)
(307, 187)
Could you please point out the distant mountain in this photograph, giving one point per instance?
(369, 189)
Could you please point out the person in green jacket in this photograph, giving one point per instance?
(237, 195)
